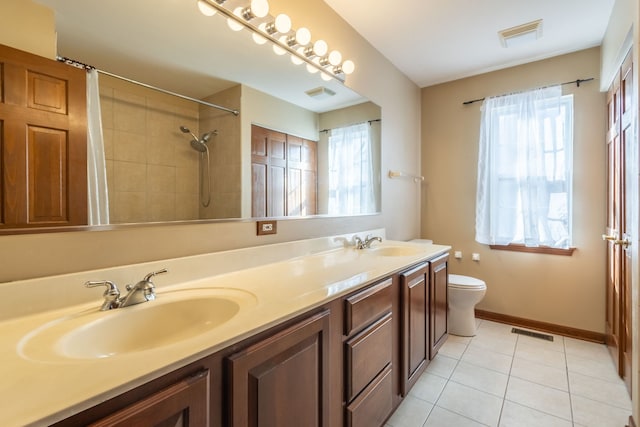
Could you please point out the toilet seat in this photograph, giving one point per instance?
(457, 281)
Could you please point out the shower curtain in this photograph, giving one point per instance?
(98, 201)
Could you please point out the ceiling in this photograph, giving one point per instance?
(434, 41)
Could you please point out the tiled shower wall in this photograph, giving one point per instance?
(152, 171)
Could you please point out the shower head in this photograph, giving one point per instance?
(207, 136)
(196, 144)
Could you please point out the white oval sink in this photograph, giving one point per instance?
(172, 318)
(395, 250)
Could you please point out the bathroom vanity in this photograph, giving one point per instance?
(331, 338)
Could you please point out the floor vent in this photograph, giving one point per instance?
(532, 334)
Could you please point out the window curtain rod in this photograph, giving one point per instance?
(576, 82)
(353, 124)
(188, 98)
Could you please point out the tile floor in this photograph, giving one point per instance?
(499, 378)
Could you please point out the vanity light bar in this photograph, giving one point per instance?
(297, 43)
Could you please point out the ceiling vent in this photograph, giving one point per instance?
(522, 34)
(320, 93)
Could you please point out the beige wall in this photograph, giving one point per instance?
(37, 255)
(561, 290)
(28, 26)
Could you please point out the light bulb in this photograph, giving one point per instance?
(303, 36)
(259, 8)
(311, 69)
(320, 48)
(258, 38)
(282, 23)
(296, 60)
(335, 58)
(348, 66)
(279, 50)
(326, 77)
(232, 23)
(205, 8)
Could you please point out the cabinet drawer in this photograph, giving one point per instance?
(374, 405)
(367, 354)
(367, 305)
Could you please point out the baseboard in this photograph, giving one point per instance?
(542, 326)
(632, 423)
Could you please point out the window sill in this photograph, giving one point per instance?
(537, 250)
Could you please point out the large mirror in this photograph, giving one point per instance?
(287, 153)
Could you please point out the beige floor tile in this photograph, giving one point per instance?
(546, 355)
(589, 413)
(412, 412)
(487, 359)
(442, 366)
(482, 379)
(515, 415)
(557, 344)
(544, 399)
(452, 349)
(496, 342)
(598, 368)
(440, 417)
(612, 393)
(540, 374)
(428, 387)
(586, 349)
(471, 403)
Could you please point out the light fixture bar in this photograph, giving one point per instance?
(270, 36)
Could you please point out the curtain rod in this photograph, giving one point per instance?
(577, 83)
(353, 124)
(87, 67)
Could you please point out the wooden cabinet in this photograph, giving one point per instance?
(283, 378)
(347, 363)
(184, 404)
(43, 142)
(438, 302)
(414, 289)
(368, 355)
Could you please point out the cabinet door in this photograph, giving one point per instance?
(284, 379)
(438, 304)
(415, 324)
(184, 404)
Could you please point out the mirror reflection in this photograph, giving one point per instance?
(287, 153)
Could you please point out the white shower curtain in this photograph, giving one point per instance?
(98, 200)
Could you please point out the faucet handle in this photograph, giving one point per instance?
(148, 277)
(111, 294)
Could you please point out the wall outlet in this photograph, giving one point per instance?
(267, 227)
(457, 254)
(475, 257)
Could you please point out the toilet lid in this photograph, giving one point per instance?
(465, 282)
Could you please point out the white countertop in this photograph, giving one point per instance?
(39, 390)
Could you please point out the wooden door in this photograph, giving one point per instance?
(438, 300)
(184, 404)
(43, 141)
(618, 259)
(414, 286)
(302, 176)
(268, 173)
(284, 379)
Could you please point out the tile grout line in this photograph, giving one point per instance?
(506, 387)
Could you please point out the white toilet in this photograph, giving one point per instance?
(464, 293)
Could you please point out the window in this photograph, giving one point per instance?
(351, 179)
(524, 170)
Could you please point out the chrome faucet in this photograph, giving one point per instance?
(142, 291)
(366, 243)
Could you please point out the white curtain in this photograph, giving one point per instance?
(351, 180)
(524, 170)
(98, 201)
